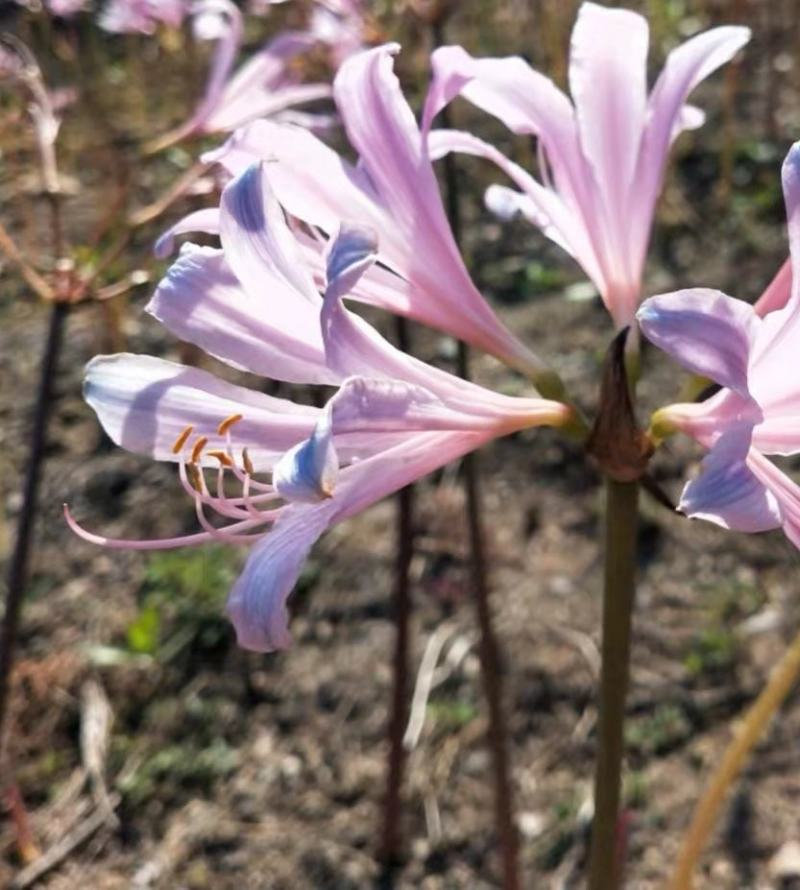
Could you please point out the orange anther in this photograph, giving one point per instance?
(181, 440)
(197, 450)
(193, 475)
(248, 464)
(221, 457)
(228, 423)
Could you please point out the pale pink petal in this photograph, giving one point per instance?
(307, 473)
(777, 293)
(685, 68)
(258, 244)
(309, 179)
(392, 152)
(608, 83)
(201, 301)
(727, 492)
(206, 220)
(708, 332)
(144, 404)
(257, 603)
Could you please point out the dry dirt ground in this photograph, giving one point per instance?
(242, 771)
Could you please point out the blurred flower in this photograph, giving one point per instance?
(142, 16)
(340, 25)
(264, 86)
(757, 412)
(254, 305)
(393, 189)
(66, 8)
(19, 66)
(601, 156)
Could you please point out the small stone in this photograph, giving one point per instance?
(785, 864)
(531, 825)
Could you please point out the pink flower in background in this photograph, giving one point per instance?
(254, 305)
(264, 86)
(602, 156)
(339, 24)
(142, 16)
(757, 412)
(66, 8)
(393, 189)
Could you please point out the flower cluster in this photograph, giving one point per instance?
(301, 229)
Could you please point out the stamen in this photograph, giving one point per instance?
(228, 423)
(248, 464)
(223, 458)
(199, 445)
(194, 477)
(182, 438)
(232, 535)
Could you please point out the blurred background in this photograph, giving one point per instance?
(249, 771)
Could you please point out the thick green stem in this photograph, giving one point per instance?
(605, 867)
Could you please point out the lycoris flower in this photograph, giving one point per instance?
(757, 412)
(142, 16)
(601, 156)
(393, 189)
(254, 305)
(340, 25)
(264, 86)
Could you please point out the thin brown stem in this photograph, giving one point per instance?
(491, 668)
(392, 839)
(18, 566)
(489, 650)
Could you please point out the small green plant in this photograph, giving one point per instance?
(713, 652)
(182, 601)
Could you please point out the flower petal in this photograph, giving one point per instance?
(201, 301)
(257, 602)
(206, 220)
(727, 492)
(257, 241)
(706, 331)
(309, 179)
(145, 403)
(307, 473)
(685, 68)
(608, 83)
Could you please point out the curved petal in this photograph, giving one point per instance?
(685, 68)
(258, 244)
(201, 301)
(727, 492)
(708, 332)
(308, 472)
(382, 128)
(309, 179)
(608, 83)
(257, 603)
(777, 292)
(145, 403)
(206, 220)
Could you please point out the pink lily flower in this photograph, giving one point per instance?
(254, 304)
(340, 25)
(65, 9)
(393, 189)
(142, 16)
(601, 156)
(264, 86)
(757, 413)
